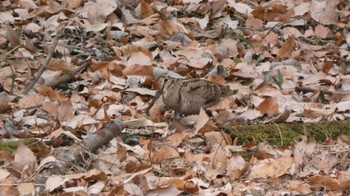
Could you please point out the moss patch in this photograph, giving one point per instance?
(286, 134)
(34, 145)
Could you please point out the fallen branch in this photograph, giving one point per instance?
(326, 92)
(310, 90)
(46, 63)
(66, 158)
(66, 77)
(155, 98)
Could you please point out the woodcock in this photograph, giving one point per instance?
(187, 96)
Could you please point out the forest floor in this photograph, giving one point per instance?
(77, 76)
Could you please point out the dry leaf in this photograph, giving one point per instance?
(30, 101)
(269, 106)
(140, 70)
(325, 181)
(24, 159)
(204, 124)
(287, 48)
(155, 113)
(324, 11)
(12, 36)
(146, 9)
(65, 111)
(139, 56)
(26, 188)
(271, 167)
(162, 152)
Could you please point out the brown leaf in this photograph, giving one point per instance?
(338, 38)
(51, 108)
(26, 188)
(322, 31)
(281, 118)
(65, 111)
(5, 155)
(242, 8)
(24, 158)
(205, 124)
(146, 9)
(60, 65)
(4, 107)
(72, 4)
(50, 93)
(269, 106)
(277, 12)
(325, 181)
(324, 12)
(227, 48)
(141, 182)
(30, 101)
(299, 187)
(271, 167)
(155, 113)
(343, 179)
(162, 152)
(12, 36)
(140, 70)
(252, 22)
(28, 44)
(167, 27)
(287, 48)
(139, 56)
(344, 138)
(327, 66)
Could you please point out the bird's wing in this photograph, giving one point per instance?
(202, 88)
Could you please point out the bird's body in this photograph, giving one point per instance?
(187, 96)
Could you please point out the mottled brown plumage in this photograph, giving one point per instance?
(187, 96)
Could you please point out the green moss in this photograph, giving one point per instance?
(286, 134)
(34, 145)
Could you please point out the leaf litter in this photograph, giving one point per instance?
(287, 60)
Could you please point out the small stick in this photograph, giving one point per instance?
(66, 77)
(13, 77)
(155, 98)
(46, 64)
(310, 90)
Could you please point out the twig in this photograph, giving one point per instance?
(310, 90)
(7, 53)
(305, 90)
(66, 77)
(280, 133)
(155, 98)
(13, 77)
(46, 64)
(216, 152)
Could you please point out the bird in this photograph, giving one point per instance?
(188, 96)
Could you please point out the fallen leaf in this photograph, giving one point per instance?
(325, 181)
(146, 9)
(287, 48)
(26, 188)
(269, 106)
(12, 36)
(161, 152)
(65, 111)
(24, 158)
(324, 12)
(204, 124)
(271, 167)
